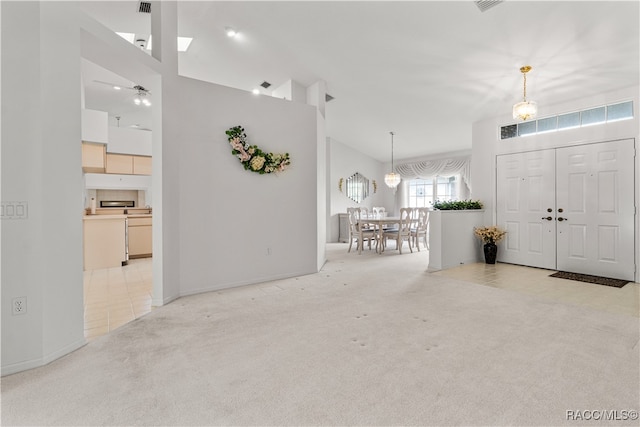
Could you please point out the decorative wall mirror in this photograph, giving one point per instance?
(357, 187)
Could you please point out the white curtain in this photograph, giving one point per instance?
(430, 168)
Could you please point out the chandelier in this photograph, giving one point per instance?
(526, 109)
(392, 179)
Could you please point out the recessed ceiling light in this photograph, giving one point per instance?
(117, 87)
(256, 91)
(231, 32)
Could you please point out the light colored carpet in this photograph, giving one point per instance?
(370, 340)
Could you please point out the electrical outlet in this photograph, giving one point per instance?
(19, 305)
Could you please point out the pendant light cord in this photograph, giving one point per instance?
(391, 152)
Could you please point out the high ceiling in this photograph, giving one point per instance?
(424, 69)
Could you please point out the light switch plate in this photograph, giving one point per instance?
(14, 210)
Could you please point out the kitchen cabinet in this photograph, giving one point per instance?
(127, 164)
(140, 236)
(104, 241)
(119, 163)
(141, 165)
(93, 157)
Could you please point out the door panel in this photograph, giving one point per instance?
(595, 192)
(525, 193)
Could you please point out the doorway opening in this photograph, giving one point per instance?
(117, 294)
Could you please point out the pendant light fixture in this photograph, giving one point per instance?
(392, 179)
(526, 109)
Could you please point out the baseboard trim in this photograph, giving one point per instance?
(230, 285)
(14, 368)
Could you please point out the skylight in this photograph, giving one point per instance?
(130, 37)
(183, 42)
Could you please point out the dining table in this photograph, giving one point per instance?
(379, 224)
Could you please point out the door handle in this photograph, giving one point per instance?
(562, 219)
(548, 218)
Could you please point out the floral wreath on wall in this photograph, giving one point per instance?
(252, 157)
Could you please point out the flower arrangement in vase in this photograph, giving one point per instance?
(490, 236)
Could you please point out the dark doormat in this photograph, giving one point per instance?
(616, 283)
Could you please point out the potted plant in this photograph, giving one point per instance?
(457, 205)
(490, 236)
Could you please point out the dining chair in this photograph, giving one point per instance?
(364, 215)
(357, 232)
(402, 232)
(420, 227)
(379, 212)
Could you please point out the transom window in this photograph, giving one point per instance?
(590, 117)
(423, 192)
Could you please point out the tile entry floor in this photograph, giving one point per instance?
(115, 296)
(536, 281)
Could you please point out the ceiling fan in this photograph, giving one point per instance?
(142, 94)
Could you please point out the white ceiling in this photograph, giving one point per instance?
(424, 69)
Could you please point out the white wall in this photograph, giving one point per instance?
(487, 145)
(108, 181)
(344, 161)
(129, 141)
(94, 126)
(452, 241)
(41, 165)
(238, 227)
(111, 181)
(215, 220)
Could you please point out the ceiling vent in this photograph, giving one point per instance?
(485, 5)
(265, 84)
(144, 7)
(327, 97)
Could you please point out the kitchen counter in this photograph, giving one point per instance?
(116, 216)
(104, 241)
(104, 217)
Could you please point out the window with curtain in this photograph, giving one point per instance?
(423, 192)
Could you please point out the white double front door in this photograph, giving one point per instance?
(569, 209)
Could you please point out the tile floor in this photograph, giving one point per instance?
(115, 296)
(536, 281)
